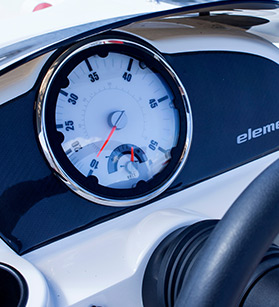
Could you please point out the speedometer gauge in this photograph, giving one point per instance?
(114, 122)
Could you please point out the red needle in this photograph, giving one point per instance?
(132, 155)
(106, 141)
(112, 130)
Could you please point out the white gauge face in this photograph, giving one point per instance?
(112, 124)
(112, 128)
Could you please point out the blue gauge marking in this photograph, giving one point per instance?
(63, 93)
(122, 150)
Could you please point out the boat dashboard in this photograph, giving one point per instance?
(112, 140)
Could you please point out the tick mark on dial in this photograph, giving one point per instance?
(68, 151)
(90, 173)
(63, 93)
(88, 65)
(130, 65)
(163, 98)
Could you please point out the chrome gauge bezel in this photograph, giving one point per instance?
(47, 148)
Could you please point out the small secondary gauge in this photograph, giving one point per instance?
(114, 122)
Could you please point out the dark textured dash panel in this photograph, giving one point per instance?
(233, 97)
(231, 94)
(35, 206)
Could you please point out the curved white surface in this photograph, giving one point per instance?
(63, 14)
(105, 265)
(38, 292)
